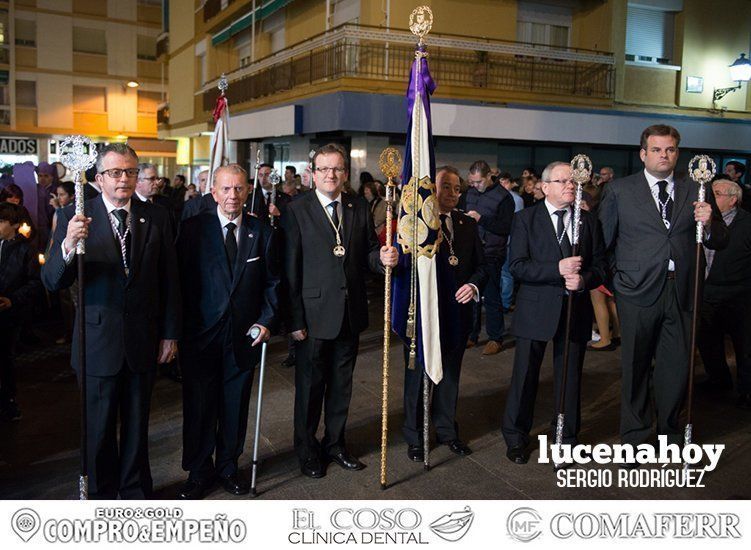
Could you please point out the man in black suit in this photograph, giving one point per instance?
(726, 308)
(269, 203)
(649, 227)
(330, 243)
(542, 262)
(230, 277)
(132, 299)
(200, 201)
(461, 278)
(147, 190)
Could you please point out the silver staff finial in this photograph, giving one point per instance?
(223, 83)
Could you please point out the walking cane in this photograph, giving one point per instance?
(702, 175)
(78, 154)
(254, 332)
(390, 163)
(581, 170)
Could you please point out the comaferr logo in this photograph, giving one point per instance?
(523, 524)
(452, 527)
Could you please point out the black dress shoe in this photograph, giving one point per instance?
(346, 461)
(195, 489)
(517, 454)
(313, 467)
(234, 486)
(415, 453)
(458, 447)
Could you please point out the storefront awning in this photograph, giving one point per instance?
(262, 12)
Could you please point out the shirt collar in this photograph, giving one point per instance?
(111, 207)
(552, 209)
(729, 215)
(325, 201)
(652, 181)
(140, 196)
(223, 220)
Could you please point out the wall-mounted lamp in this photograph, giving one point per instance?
(740, 71)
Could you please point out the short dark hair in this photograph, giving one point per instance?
(331, 149)
(11, 213)
(739, 166)
(291, 169)
(119, 149)
(182, 178)
(659, 130)
(11, 190)
(265, 165)
(505, 176)
(447, 168)
(480, 166)
(69, 187)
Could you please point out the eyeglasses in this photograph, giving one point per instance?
(561, 182)
(152, 178)
(327, 169)
(116, 173)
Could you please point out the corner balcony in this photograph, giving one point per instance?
(463, 67)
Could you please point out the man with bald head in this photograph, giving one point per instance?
(726, 307)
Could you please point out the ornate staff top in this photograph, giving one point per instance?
(390, 162)
(274, 178)
(223, 84)
(78, 153)
(581, 169)
(702, 169)
(420, 22)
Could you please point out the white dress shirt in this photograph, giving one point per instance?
(325, 202)
(655, 190)
(223, 221)
(567, 223)
(68, 254)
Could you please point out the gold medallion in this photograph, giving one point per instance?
(453, 260)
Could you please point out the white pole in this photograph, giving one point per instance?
(388, 28)
(328, 14)
(253, 34)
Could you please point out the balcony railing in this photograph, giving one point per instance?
(361, 52)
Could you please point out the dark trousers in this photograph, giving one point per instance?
(216, 396)
(520, 402)
(119, 469)
(8, 340)
(443, 406)
(659, 332)
(719, 318)
(323, 380)
(491, 299)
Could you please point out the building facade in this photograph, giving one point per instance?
(520, 83)
(80, 66)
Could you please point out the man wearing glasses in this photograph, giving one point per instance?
(542, 261)
(147, 189)
(133, 317)
(330, 243)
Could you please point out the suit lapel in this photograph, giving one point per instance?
(646, 201)
(247, 237)
(348, 213)
(680, 192)
(213, 238)
(140, 225)
(100, 234)
(320, 216)
(548, 231)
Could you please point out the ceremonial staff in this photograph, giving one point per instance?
(701, 169)
(390, 163)
(274, 180)
(219, 155)
(581, 172)
(255, 180)
(254, 332)
(78, 154)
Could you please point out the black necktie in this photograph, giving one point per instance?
(445, 226)
(666, 200)
(268, 198)
(121, 215)
(334, 214)
(230, 245)
(562, 235)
